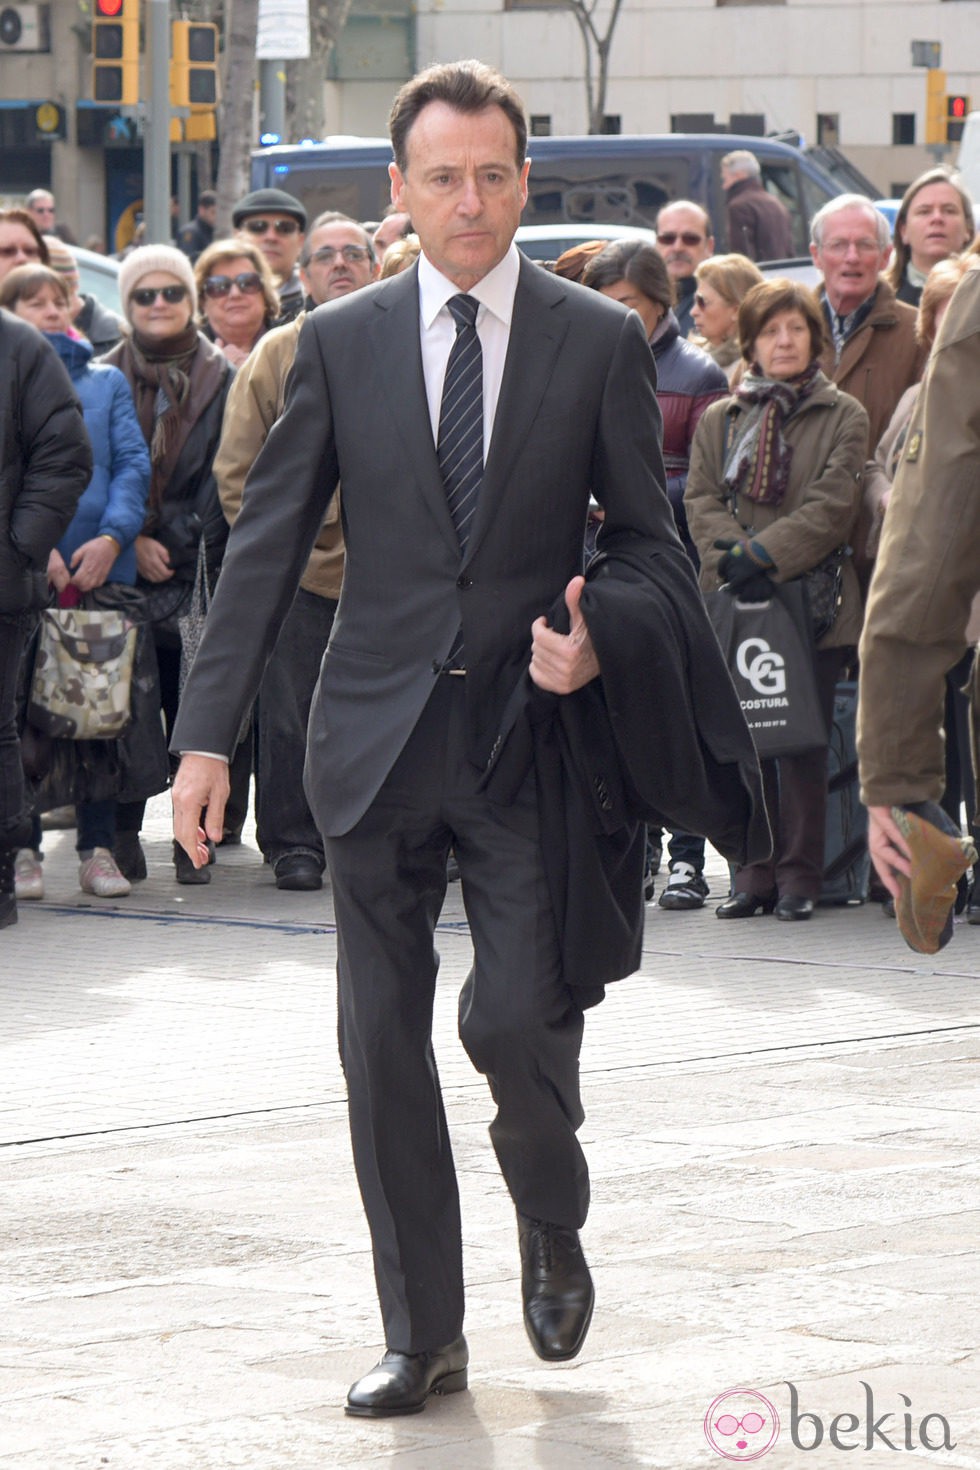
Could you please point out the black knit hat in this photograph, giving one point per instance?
(268, 201)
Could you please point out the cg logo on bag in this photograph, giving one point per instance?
(764, 669)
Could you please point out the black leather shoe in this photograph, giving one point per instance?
(791, 906)
(744, 906)
(401, 1382)
(299, 872)
(556, 1287)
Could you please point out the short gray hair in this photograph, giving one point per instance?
(743, 162)
(849, 201)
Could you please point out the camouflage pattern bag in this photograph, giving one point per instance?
(83, 674)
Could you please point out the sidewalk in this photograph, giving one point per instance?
(782, 1129)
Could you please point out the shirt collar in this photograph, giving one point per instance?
(495, 291)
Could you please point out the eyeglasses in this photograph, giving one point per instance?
(841, 247)
(146, 295)
(353, 254)
(30, 251)
(263, 226)
(687, 237)
(749, 1423)
(248, 282)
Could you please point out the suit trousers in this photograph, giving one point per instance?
(518, 1022)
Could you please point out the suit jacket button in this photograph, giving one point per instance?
(464, 583)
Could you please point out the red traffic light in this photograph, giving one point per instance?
(109, 8)
(957, 106)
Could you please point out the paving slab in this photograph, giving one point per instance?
(782, 1130)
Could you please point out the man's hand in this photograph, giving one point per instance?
(92, 563)
(887, 847)
(563, 662)
(153, 560)
(201, 781)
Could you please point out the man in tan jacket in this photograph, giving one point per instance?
(927, 574)
(337, 259)
(874, 354)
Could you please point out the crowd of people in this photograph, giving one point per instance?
(785, 414)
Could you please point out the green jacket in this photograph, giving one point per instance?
(828, 434)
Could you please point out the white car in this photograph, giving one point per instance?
(547, 242)
(98, 276)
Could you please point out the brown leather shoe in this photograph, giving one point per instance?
(924, 907)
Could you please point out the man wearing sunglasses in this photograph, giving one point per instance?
(684, 239)
(337, 259)
(276, 222)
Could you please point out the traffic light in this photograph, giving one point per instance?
(194, 65)
(116, 51)
(957, 108)
(935, 105)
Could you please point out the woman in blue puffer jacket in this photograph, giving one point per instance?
(98, 547)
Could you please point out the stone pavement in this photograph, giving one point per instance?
(782, 1128)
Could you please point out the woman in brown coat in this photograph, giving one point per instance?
(773, 489)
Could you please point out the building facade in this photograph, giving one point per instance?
(839, 72)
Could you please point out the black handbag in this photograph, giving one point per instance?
(768, 647)
(824, 591)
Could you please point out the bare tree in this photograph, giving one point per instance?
(305, 98)
(597, 45)
(235, 115)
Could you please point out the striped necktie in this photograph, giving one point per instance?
(460, 447)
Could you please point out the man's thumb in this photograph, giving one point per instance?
(573, 597)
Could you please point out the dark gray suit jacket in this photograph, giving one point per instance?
(577, 413)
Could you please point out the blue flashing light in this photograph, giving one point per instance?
(268, 140)
(280, 168)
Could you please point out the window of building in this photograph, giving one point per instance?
(828, 129)
(612, 122)
(376, 44)
(539, 124)
(903, 127)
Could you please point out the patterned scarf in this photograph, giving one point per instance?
(757, 464)
(161, 372)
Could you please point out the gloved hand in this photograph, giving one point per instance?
(743, 571)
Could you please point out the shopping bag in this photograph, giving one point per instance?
(83, 672)
(768, 647)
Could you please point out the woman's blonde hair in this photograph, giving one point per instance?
(236, 249)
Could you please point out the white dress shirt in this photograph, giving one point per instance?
(495, 293)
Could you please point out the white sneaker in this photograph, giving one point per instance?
(99, 876)
(28, 874)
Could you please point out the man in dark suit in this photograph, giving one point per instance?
(441, 617)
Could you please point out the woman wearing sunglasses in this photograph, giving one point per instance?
(237, 296)
(722, 282)
(179, 382)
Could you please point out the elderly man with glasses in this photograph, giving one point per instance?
(684, 239)
(337, 259)
(873, 353)
(276, 222)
